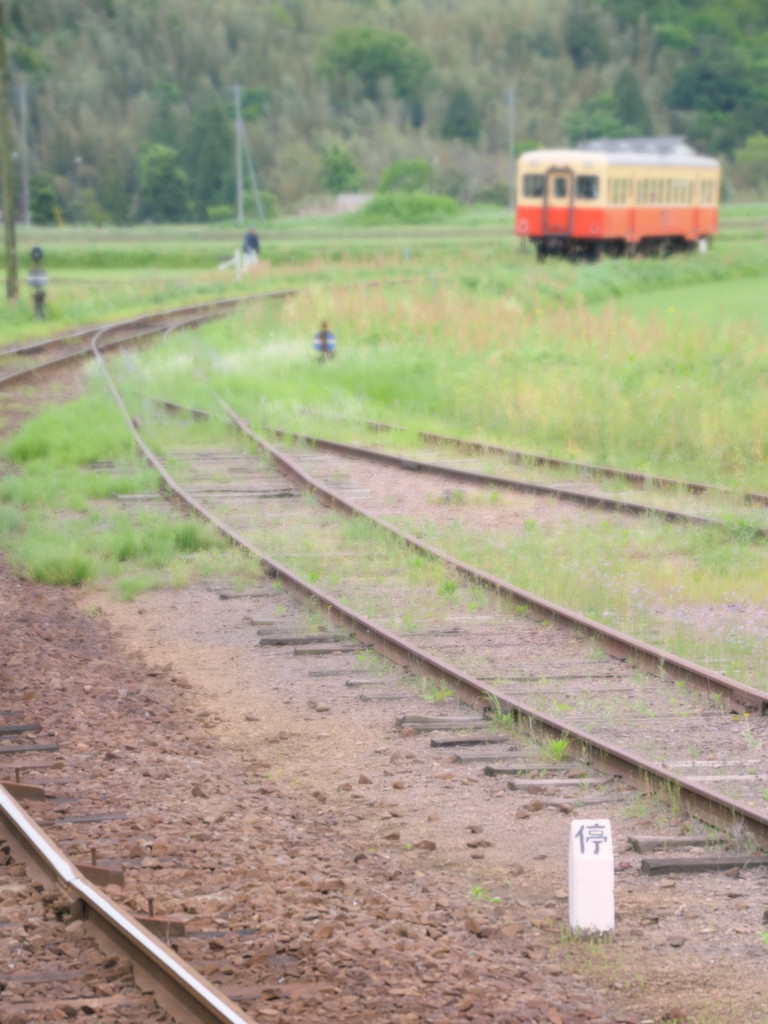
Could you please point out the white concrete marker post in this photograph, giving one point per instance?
(590, 876)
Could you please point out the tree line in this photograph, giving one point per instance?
(130, 102)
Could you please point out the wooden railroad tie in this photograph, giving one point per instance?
(649, 844)
(690, 865)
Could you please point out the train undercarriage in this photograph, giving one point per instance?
(591, 250)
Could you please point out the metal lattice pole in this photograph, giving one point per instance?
(252, 173)
(238, 157)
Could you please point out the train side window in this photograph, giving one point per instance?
(623, 192)
(587, 186)
(560, 187)
(533, 186)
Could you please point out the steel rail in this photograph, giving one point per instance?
(630, 475)
(82, 353)
(38, 346)
(27, 371)
(700, 800)
(470, 476)
(524, 486)
(200, 312)
(741, 697)
(176, 987)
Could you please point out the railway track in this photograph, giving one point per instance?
(583, 470)
(482, 649)
(465, 471)
(233, 490)
(79, 344)
(282, 896)
(462, 472)
(454, 509)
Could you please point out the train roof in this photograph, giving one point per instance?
(600, 159)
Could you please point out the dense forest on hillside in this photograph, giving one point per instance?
(129, 103)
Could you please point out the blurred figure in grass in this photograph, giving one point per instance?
(325, 342)
(250, 249)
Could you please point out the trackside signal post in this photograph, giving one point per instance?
(6, 179)
(38, 279)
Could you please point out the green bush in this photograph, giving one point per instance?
(270, 205)
(218, 213)
(496, 194)
(406, 208)
(406, 176)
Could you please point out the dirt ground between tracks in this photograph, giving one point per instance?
(686, 947)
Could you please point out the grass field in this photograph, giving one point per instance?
(731, 305)
(657, 365)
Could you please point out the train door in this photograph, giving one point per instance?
(558, 201)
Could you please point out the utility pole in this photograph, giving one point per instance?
(238, 157)
(242, 142)
(511, 97)
(27, 213)
(6, 192)
(252, 174)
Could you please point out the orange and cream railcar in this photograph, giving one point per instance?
(580, 203)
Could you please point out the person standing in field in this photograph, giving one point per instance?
(250, 249)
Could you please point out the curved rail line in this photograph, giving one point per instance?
(701, 800)
(741, 697)
(581, 498)
(525, 486)
(130, 330)
(609, 472)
